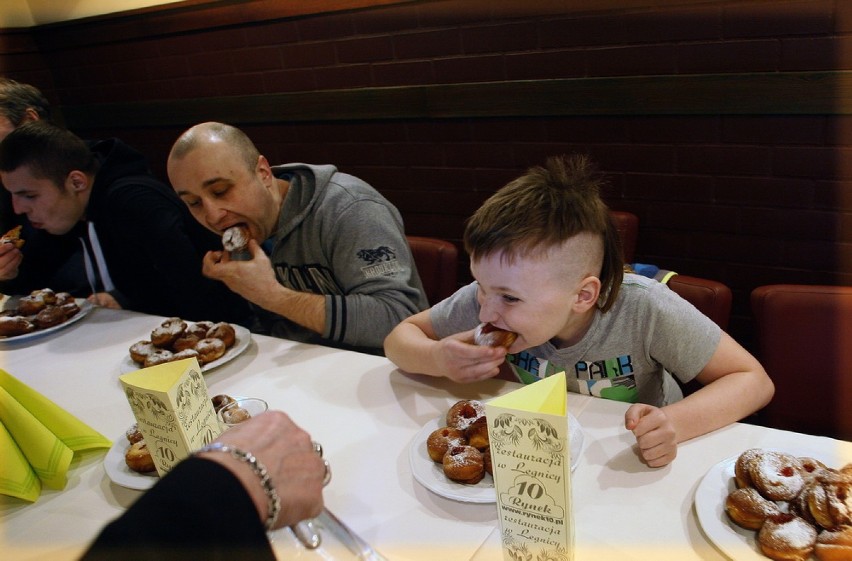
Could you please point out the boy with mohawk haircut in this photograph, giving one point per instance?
(547, 265)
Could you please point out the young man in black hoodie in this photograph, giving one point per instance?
(142, 250)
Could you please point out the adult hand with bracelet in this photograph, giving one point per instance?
(201, 509)
(296, 472)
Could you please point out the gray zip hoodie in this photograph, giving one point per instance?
(340, 237)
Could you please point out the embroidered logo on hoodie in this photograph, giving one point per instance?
(380, 261)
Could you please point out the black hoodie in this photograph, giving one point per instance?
(151, 243)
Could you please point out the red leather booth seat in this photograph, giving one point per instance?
(627, 225)
(711, 297)
(805, 344)
(438, 264)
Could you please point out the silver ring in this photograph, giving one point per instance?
(327, 478)
(317, 448)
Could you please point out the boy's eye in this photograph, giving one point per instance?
(510, 299)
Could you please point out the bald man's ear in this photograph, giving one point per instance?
(588, 292)
(263, 169)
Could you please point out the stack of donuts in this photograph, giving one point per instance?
(461, 446)
(138, 457)
(798, 506)
(39, 310)
(232, 415)
(176, 339)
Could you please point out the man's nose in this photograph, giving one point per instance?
(213, 215)
(18, 207)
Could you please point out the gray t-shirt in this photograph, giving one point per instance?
(628, 354)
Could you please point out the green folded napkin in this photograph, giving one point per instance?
(38, 440)
(17, 479)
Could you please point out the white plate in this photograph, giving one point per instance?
(118, 472)
(431, 474)
(239, 347)
(735, 542)
(85, 307)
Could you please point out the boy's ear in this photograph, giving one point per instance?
(588, 292)
(30, 115)
(77, 181)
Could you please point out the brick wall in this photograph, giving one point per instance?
(746, 199)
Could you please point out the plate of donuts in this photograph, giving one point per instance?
(431, 475)
(83, 306)
(734, 541)
(232, 349)
(119, 473)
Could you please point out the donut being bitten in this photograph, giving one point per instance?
(487, 335)
(440, 440)
(464, 464)
(13, 237)
(235, 238)
(235, 241)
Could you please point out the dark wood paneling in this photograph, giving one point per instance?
(794, 93)
(182, 17)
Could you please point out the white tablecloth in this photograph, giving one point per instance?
(365, 413)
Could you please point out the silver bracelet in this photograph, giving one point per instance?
(260, 470)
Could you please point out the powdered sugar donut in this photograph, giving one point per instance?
(167, 332)
(464, 464)
(777, 475)
(786, 537)
(464, 413)
(441, 440)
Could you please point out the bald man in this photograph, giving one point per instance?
(329, 260)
